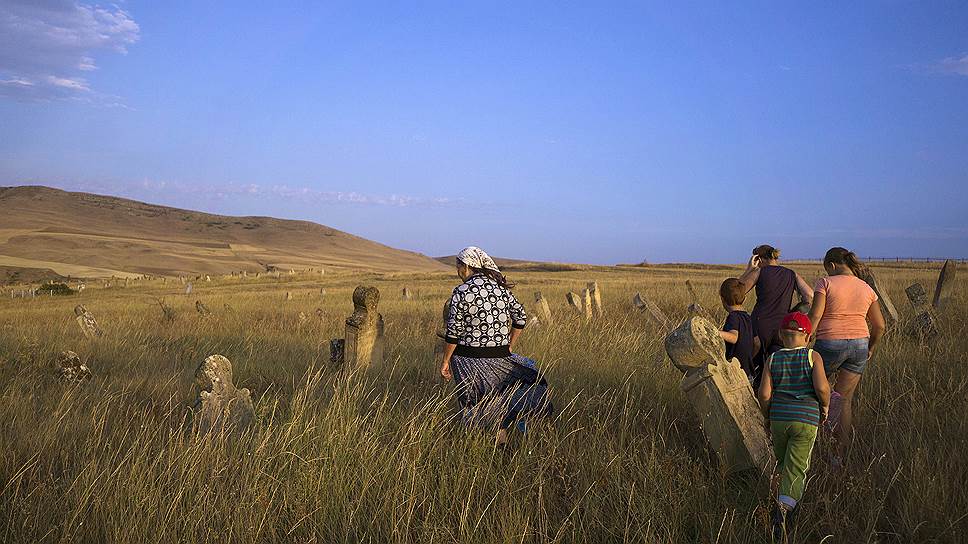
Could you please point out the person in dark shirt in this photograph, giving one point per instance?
(737, 332)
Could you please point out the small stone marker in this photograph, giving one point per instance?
(208, 278)
(586, 299)
(407, 295)
(657, 315)
(202, 309)
(575, 301)
(220, 405)
(923, 325)
(166, 310)
(596, 298)
(722, 396)
(887, 305)
(288, 295)
(71, 369)
(946, 283)
(188, 289)
(322, 291)
(543, 312)
(87, 322)
(364, 330)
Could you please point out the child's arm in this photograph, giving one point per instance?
(806, 292)
(766, 389)
(820, 385)
(730, 337)
(756, 345)
(816, 310)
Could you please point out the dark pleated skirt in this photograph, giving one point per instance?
(499, 391)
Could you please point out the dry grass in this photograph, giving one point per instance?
(381, 459)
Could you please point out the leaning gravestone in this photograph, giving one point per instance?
(657, 315)
(721, 395)
(202, 309)
(574, 300)
(946, 283)
(596, 298)
(887, 305)
(87, 322)
(923, 325)
(543, 310)
(71, 369)
(220, 405)
(364, 330)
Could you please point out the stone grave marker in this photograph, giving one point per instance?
(208, 278)
(543, 311)
(923, 325)
(322, 291)
(87, 322)
(364, 330)
(586, 303)
(288, 295)
(202, 309)
(71, 369)
(656, 313)
(166, 310)
(883, 299)
(721, 395)
(220, 405)
(596, 298)
(575, 302)
(946, 283)
(407, 295)
(188, 288)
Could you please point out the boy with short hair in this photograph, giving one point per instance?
(795, 397)
(737, 332)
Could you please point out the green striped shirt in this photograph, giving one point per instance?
(794, 398)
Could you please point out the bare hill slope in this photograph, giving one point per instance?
(87, 235)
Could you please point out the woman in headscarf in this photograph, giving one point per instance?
(774, 285)
(484, 321)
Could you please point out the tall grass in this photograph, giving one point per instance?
(382, 459)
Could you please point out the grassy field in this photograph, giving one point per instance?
(382, 460)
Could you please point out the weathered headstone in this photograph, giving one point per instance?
(87, 322)
(923, 325)
(208, 278)
(202, 309)
(586, 303)
(883, 298)
(407, 295)
(166, 310)
(188, 289)
(574, 301)
(288, 295)
(645, 304)
(322, 291)
(543, 311)
(722, 396)
(220, 405)
(71, 369)
(364, 330)
(946, 283)
(596, 298)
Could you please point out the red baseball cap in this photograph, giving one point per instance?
(797, 321)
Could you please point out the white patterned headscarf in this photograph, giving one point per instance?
(476, 257)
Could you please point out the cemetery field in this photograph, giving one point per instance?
(380, 458)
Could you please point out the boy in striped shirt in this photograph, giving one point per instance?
(794, 396)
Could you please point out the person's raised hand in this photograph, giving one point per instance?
(754, 261)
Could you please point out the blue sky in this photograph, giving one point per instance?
(591, 132)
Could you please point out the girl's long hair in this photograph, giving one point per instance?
(498, 277)
(843, 256)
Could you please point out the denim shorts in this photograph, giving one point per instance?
(850, 355)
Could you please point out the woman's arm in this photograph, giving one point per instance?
(806, 292)
(820, 385)
(515, 333)
(752, 273)
(816, 310)
(445, 367)
(878, 326)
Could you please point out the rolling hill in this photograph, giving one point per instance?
(87, 235)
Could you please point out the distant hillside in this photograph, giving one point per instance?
(524, 266)
(86, 235)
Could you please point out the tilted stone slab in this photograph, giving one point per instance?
(596, 298)
(575, 302)
(87, 323)
(946, 283)
(586, 304)
(646, 305)
(883, 298)
(221, 406)
(542, 309)
(406, 294)
(721, 395)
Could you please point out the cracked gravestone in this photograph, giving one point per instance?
(71, 369)
(721, 395)
(924, 325)
(221, 406)
(87, 322)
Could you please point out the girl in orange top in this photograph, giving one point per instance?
(843, 304)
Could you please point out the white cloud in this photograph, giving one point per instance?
(45, 43)
(954, 65)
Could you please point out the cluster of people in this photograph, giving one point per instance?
(842, 319)
(839, 316)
